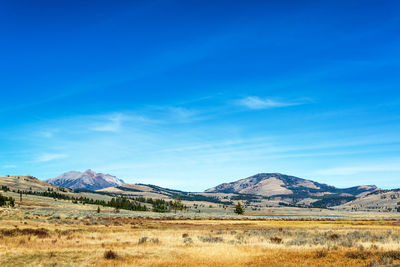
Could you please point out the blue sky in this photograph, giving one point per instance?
(190, 94)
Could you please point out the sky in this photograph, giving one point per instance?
(191, 94)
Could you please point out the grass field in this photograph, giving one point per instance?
(42, 231)
(43, 240)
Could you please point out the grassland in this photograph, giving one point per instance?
(42, 231)
(27, 239)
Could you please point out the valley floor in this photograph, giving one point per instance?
(28, 239)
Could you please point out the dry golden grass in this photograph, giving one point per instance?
(28, 240)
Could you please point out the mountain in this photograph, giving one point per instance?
(264, 189)
(379, 200)
(26, 183)
(294, 190)
(88, 180)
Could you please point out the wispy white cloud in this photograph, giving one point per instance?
(112, 123)
(48, 133)
(176, 114)
(350, 170)
(50, 157)
(10, 166)
(182, 114)
(255, 102)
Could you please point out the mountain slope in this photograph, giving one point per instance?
(154, 191)
(25, 183)
(380, 200)
(293, 188)
(88, 180)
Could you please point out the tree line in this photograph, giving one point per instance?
(131, 203)
(6, 201)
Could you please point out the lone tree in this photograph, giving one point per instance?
(239, 209)
(98, 209)
(177, 204)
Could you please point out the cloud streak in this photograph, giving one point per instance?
(350, 170)
(257, 103)
(113, 124)
(50, 157)
(10, 166)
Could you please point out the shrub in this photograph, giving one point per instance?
(387, 261)
(391, 254)
(347, 243)
(297, 242)
(40, 232)
(187, 240)
(321, 253)
(333, 237)
(373, 246)
(143, 240)
(372, 263)
(155, 240)
(276, 240)
(239, 237)
(110, 255)
(211, 239)
(185, 235)
(361, 255)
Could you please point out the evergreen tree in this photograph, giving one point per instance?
(239, 209)
(6, 201)
(177, 204)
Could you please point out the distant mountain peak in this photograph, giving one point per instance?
(277, 184)
(87, 180)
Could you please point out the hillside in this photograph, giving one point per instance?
(293, 190)
(26, 183)
(261, 190)
(154, 191)
(378, 201)
(88, 180)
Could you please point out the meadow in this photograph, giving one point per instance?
(44, 231)
(43, 240)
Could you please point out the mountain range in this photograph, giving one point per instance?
(88, 180)
(255, 192)
(266, 188)
(276, 184)
(293, 190)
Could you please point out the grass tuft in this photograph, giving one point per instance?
(321, 253)
(110, 255)
(276, 240)
(142, 240)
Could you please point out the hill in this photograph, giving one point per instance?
(88, 180)
(378, 201)
(261, 190)
(26, 183)
(293, 190)
(154, 191)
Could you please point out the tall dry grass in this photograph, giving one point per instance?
(43, 241)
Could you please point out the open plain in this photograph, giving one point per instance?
(41, 231)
